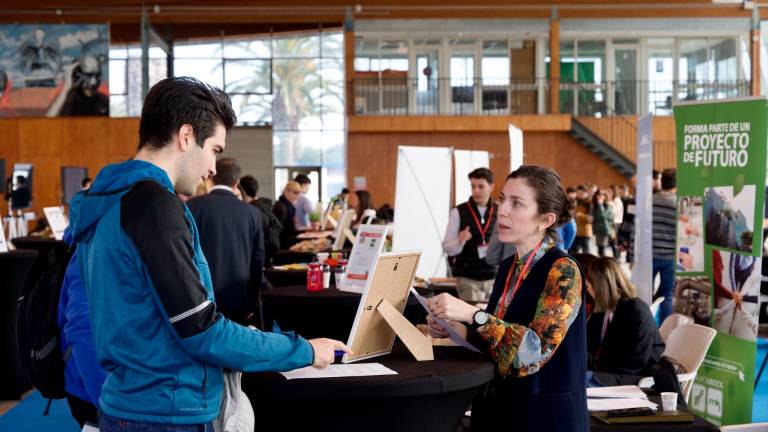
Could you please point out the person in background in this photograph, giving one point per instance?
(622, 338)
(627, 228)
(233, 243)
(614, 194)
(340, 201)
(83, 375)
(566, 232)
(270, 224)
(470, 228)
(21, 197)
(303, 205)
(570, 193)
(534, 327)
(664, 228)
(583, 217)
(86, 183)
(363, 202)
(285, 211)
(602, 217)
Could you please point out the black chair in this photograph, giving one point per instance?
(15, 269)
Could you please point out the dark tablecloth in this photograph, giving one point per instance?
(282, 257)
(698, 425)
(14, 270)
(285, 278)
(327, 313)
(423, 396)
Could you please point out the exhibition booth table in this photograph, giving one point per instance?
(15, 269)
(424, 396)
(282, 257)
(326, 313)
(283, 278)
(698, 424)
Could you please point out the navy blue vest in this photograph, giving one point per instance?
(552, 399)
(468, 263)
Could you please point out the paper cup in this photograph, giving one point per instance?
(669, 401)
(322, 257)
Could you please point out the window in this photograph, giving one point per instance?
(125, 92)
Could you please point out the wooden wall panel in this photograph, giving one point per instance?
(374, 156)
(50, 144)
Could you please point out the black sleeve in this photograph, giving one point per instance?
(154, 221)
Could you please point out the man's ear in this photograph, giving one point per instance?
(185, 137)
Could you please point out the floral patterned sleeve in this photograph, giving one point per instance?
(518, 350)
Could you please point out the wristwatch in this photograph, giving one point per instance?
(479, 319)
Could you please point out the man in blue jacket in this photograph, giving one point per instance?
(155, 326)
(83, 376)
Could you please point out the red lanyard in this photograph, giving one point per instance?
(477, 221)
(503, 305)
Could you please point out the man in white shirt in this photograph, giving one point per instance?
(471, 227)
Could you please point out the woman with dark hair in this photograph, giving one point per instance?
(534, 326)
(363, 202)
(622, 338)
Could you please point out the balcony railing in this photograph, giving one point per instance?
(484, 96)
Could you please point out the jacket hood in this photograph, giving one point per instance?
(112, 182)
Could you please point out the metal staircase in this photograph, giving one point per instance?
(602, 149)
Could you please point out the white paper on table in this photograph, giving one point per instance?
(625, 391)
(605, 404)
(452, 335)
(339, 371)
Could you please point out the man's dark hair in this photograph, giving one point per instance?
(21, 179)
(250, 185)
(581, 187)
(227, 172)
(302, 179)
(85, 181)
(655, 174)
(174, 102)
(570, 189)
(481, 173)
(344, 191)
(669, 179)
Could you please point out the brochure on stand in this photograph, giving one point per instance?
(368, 245)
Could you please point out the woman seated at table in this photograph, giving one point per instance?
(534, 328)
(360, 201)
(622, 338)
(285, 211)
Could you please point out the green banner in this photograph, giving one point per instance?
(721, 174)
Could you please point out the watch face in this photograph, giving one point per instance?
(481, 318)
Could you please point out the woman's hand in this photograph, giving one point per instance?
(437, 331)
(448, 307)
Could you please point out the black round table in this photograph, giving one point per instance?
(285, 278)
(282, 257)
(423, 396)
(327, 313)
(15, 268)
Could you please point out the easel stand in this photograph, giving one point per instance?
(417, 343)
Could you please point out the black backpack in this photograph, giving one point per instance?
(37, 330)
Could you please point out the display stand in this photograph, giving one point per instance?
(379, 316)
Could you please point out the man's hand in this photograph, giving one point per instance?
(465, 235)
(324, 351)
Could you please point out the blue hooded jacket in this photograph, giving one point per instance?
(155, 326)
(83, 376)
